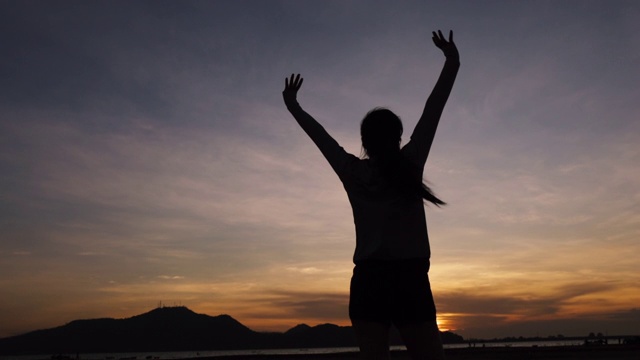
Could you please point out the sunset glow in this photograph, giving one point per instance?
(147, 157)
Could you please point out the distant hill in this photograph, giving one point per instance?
(174, 329)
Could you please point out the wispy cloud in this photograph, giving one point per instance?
(170, 277)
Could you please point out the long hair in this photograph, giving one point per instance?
(381, 131)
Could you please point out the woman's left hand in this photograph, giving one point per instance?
(291, 87)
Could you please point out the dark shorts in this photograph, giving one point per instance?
(392, 292)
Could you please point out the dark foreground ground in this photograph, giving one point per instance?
(609, 352)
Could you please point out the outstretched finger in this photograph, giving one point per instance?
(451, 36)
(441, 37)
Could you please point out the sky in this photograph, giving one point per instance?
(147, 158)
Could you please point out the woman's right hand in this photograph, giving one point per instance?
(448, 47)
(291, 87)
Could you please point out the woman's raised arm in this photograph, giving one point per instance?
(425, 130)
(331, 150)
(290, 95)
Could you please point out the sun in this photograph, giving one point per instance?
(446, 321)
(443, 324)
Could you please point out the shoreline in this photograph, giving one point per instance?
(553, 352)
(604, 352)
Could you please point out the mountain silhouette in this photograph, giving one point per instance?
(174, 329)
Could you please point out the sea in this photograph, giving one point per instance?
(150, 355)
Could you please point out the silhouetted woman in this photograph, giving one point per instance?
(390, 283)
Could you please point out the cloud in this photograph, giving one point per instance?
(307, 305)
(282, 309)
(305, 270)
(170, 277)
(21, 253)
(534, 310)
(531, 300)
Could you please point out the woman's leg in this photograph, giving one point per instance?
(373, 339)
(422, 340)
(369, 304)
